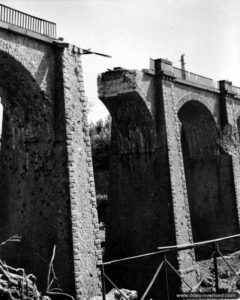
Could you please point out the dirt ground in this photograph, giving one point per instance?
(228, 273)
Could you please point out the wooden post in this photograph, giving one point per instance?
(216, 268)
(166, 276)
(103, 283)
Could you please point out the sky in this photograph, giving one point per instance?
(132, 31)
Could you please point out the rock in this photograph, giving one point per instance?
(115, 295)
(238, 284)
(207, 282)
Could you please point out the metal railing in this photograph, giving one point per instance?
(28, 22)
(166, 265)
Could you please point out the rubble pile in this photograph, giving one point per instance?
(15, 284)
(122, 294)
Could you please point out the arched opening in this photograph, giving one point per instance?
(209, 175)
(32, 185)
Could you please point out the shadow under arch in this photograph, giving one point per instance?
(132, 124)
(31, 184)
(209, 177)
(140, 216)
(25, 99)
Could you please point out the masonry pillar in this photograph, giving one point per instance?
(230, 138)
(85, 236)
(182, 223)
(140, 205)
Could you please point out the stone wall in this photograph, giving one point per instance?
(178, 183)
(46, 178)
(86, 239)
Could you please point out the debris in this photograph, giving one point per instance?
(115, 295)
(15, 284)
(14, 238)
(88, 51)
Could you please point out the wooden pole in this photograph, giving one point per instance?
(166, 276)
(103, 283)
(216, 267)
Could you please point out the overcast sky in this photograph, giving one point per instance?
(132, 31)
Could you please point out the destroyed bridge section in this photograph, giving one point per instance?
(174, 166)
(47, 193)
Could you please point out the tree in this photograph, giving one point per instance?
(100, 135)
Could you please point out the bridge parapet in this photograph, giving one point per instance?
(236, 90)
(166, 66)
(26, 21)
(189, 76)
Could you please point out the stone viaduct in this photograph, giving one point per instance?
(174, 167)
(47, 192)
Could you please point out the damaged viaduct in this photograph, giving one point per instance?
(174, 167)
(174, 164)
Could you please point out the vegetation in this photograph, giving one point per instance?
(100, 134)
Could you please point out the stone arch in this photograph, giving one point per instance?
(29, 194)
(190, 97)
(22, 96)
(133, 124)
(208, 173)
